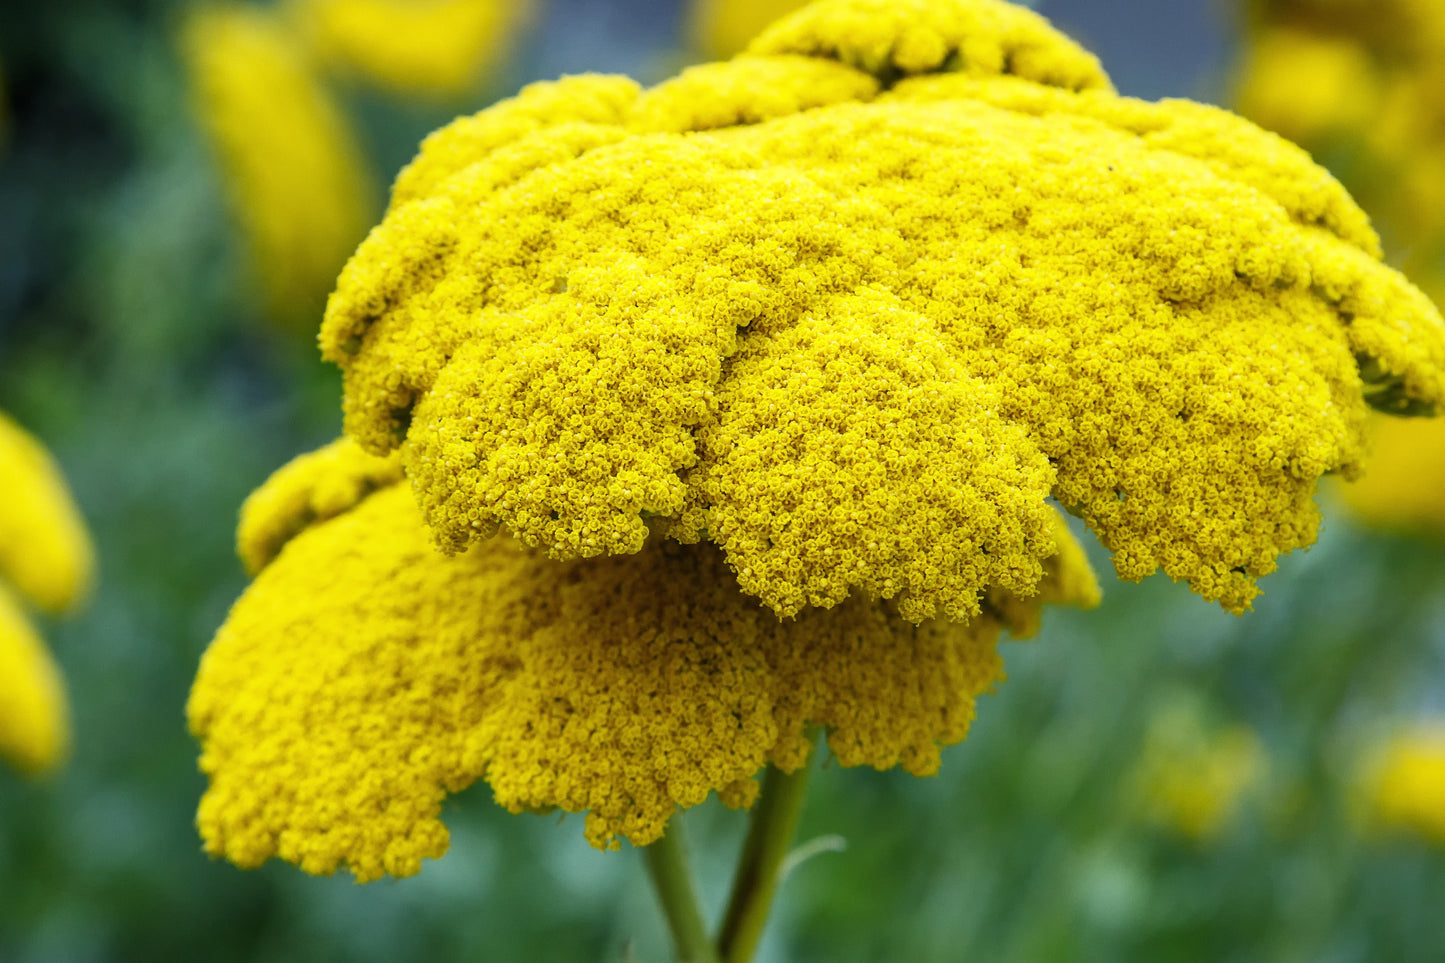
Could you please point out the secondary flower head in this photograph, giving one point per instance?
(364, 675)
(854, 304)
(290, 161)
(1192, 776)
(426, 48)
(45, 556)
(1406, 786)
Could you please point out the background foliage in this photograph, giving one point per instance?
(133, 341)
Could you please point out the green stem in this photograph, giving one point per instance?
(770, 834)
(667, 864)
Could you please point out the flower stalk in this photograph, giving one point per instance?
(771, 830)
(667, 864)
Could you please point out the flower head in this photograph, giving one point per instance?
(851, 306)
(1193, 776)
(721, 28)
(290, 161)
(822, 327)
(430, 48)
(1406, 786)
(1403, 487)
(363, 676)
(45, 556)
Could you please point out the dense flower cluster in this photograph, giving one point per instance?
(291, 163)
(429, 48)
(822, 327)
(852, 305)
(364, 675)
(45, 556)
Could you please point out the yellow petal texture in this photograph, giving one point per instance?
(855, 329)
(45, 552)
(1406, 787)
(312, 488)
(34, 726)
(364, 675)
(289, 159)
(1403, 486)
(425, 48)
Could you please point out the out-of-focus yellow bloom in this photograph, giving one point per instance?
(1308, 87)
(1191, 778)
(45, 555)
(431, 48)
(290, 160)
(1403, 486)
(1372, 75)
(363, 676)
(721, 28)
(1406, 785)
(823, 326)
(857, 335)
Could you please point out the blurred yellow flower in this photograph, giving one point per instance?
(1370, 75)
(721, 28)
(290, 160)
(823, 326)
(363, 676)
(419, 48)
(1192, 778)
(1406, 785)
(1403, 486)
(46, 556)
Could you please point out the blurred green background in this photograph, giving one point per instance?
(134, 342)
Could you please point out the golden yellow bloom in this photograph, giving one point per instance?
(45, 552)
(1192, 778)
(290, 161)
(854, 304)
(1370, 74)
(46, 555)
(1403, 486)
(363, 676)
(1406, 788)
(34, 730)
(721, 28)
(432, 48)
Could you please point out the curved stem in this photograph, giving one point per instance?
(667, 865)
(770, 834)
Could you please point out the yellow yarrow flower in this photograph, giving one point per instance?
(1192, 778)
(364, 676)
(821, 327)
(854, 304)
(1370, 74)
(291, 163)
(428, 48)
(721, 28)
(1406, 785)
(1403, 487)
(45, 555)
